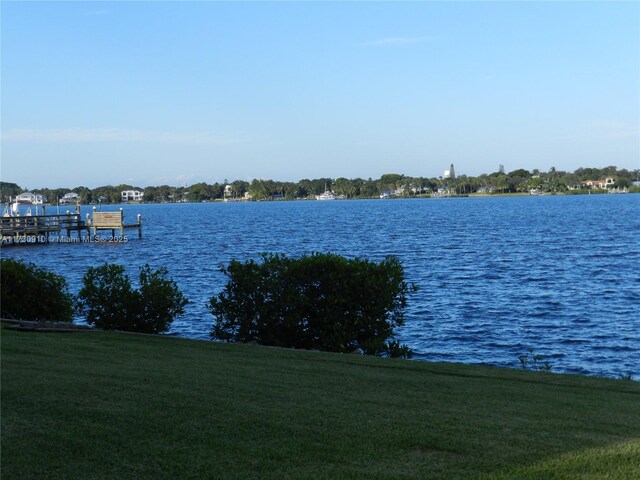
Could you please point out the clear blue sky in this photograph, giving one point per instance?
(147, 93)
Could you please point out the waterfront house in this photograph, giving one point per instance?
(31, 198)
(131, 195)
(70, 198)
(606, 183)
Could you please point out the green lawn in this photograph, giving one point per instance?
(112, 405)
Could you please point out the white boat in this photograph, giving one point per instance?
(12, 209)
(327, 195)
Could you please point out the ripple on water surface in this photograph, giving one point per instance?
(496, 276)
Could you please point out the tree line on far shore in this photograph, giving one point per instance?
(516, 181)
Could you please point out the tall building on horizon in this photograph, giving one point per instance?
(451, 173)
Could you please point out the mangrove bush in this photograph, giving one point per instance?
(110, 302)
(319, 301)
(29, 292)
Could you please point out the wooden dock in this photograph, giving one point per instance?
(67, 228)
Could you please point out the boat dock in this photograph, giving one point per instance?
(67, 228)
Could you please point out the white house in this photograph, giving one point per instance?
(70, 197)
(31, 198)
(131, 195)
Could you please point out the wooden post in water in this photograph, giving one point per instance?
(140, 226)
(92, 223)
(68, 224)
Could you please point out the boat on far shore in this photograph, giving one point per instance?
(327, 195)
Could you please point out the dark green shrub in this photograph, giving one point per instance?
(321, 301)
(110, 302)
(533, 361)
(394, 349)
(29, 292)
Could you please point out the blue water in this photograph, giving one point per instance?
(496, 276)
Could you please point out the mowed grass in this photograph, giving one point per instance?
(113, 405)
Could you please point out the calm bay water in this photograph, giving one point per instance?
(496, 276)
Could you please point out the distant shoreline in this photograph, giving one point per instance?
(415, 197)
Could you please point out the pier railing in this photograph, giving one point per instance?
(30, 229)
(40, 224)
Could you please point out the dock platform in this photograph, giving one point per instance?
(66, 228)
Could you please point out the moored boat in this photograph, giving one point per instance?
(327, 195)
